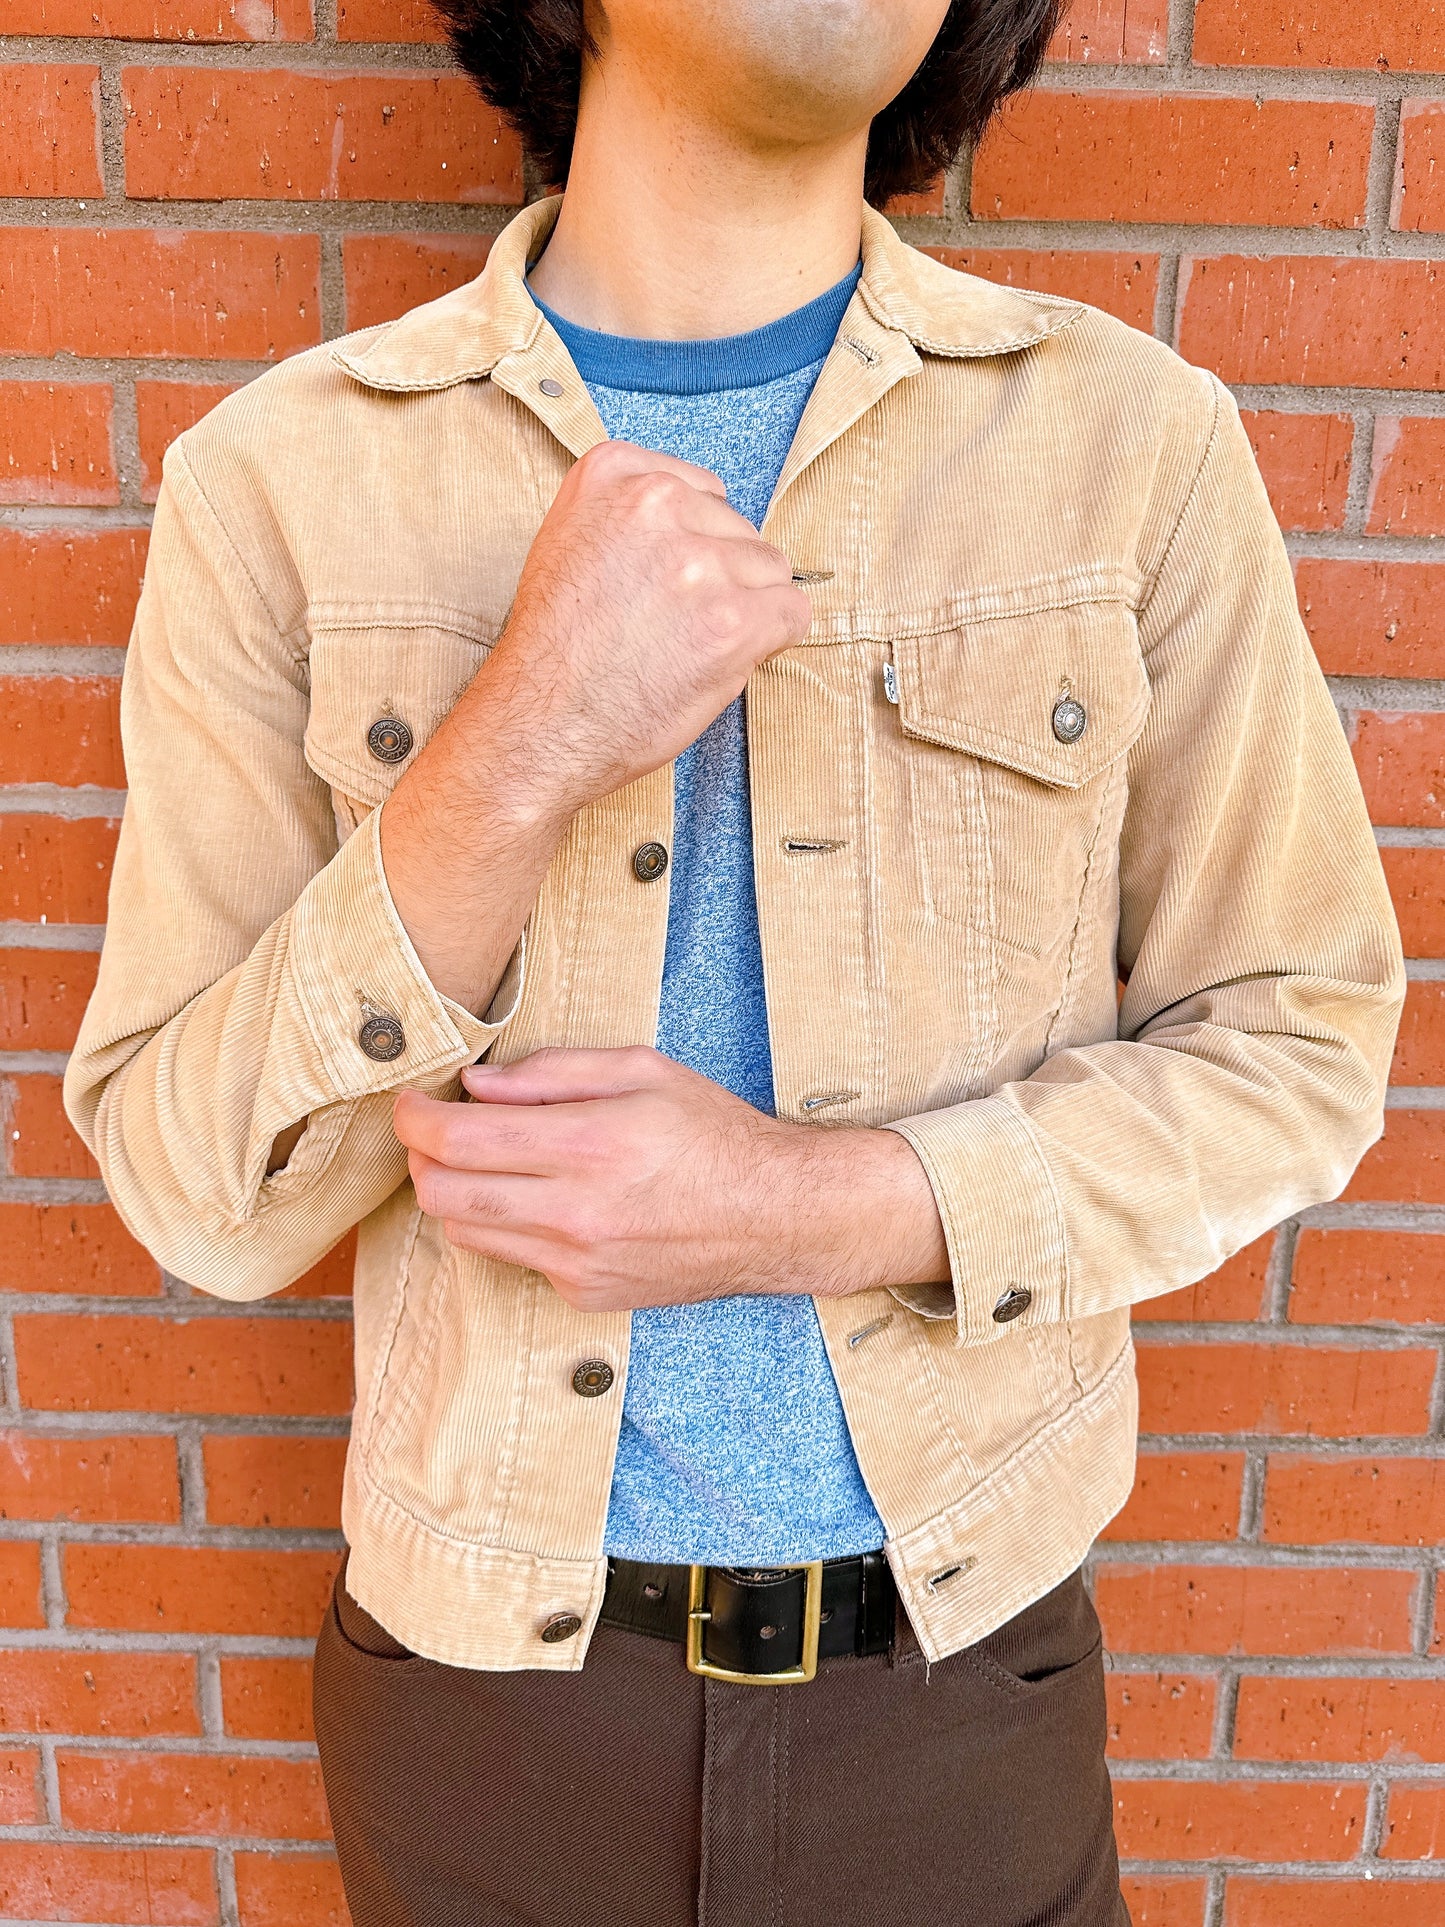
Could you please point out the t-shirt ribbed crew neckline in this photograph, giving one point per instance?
(661, 367)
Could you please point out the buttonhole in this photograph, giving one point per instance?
(812, 845)
(830, 1098)
(871, 1330)
(860, 349)
(806, 578)
(950, 1572)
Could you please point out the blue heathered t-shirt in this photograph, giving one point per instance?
(734, 1449)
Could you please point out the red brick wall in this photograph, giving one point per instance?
(193, 188)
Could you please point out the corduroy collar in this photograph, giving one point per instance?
(463, 335)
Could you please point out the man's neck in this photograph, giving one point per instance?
(676, 230)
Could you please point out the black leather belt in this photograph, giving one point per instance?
(766, 1626)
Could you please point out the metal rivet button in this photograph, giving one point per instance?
(592, 1378)
(389, 739)
(561, 1626)
(1012, 1304)
(554, 388)
(1070, 719)
(382, 1037)
(649, 861)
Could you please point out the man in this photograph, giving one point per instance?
(733, 1417)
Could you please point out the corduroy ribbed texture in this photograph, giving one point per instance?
(1017, 498)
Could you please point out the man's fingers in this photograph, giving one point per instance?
(505, 1201)
(567, 1076)
(610, 461)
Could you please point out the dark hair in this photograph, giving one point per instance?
(525, 56)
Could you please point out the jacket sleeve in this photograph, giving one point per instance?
(241, 945)
(1258, 946)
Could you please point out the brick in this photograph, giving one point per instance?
(198, 1589)
(1359, 323)
(1407, 1166)
(1318, 1502)
(197, 133)
(1251, 1902)
(1305, 462)
(1340, 1719)
(191, 1793)
(129, 291)
(1294, 1389)
(1407, 476)
(73, 1248)
(267, 1699)
(1234, 1293)
(61, 729)
(1124, 285)
(1249, 1820)
(1331, 33)
(1167, 1901)
(43, 994)
(1116, 32)
(123, 1886)
(21, 1803)
(71, 1362)
(331, 1277)
(1374, 618)
(64, 586)
(291, 1890)
(165, 409)
(1414, 1823)
(1420, 1048)
(1419, 200)
(124, 1695)
(1182, 1495)
(1311, 1611)
(40, 1139)
(388, 21)
(92, 1478)
(1160, 1716)
(1360, 1277)
(49, 128)
(385, 274)
(274, 1481)
(1098, 156)
(55, 870)
(55, 443)
(163, 19)
(1417, 889)
(1400, 756)
(20, 1584)
(928, 200)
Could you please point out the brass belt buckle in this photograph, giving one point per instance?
(698, 1616)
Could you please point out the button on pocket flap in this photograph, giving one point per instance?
(1056, 693)
(377, 695)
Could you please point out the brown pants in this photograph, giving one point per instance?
(969, 1793)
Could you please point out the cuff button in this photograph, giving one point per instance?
(382, 1038)
(389, 740)
(1012, 1304)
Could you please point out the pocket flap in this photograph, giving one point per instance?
(994, 688)
(363, 679)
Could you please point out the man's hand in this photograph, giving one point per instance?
(627, 1180)
(644, 606)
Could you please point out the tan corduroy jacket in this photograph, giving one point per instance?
(1013, 502)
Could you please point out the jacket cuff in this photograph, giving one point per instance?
(1001, 1218)
(352, 960)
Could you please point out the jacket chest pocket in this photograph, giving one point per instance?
(378, 694)
(1018, 727)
